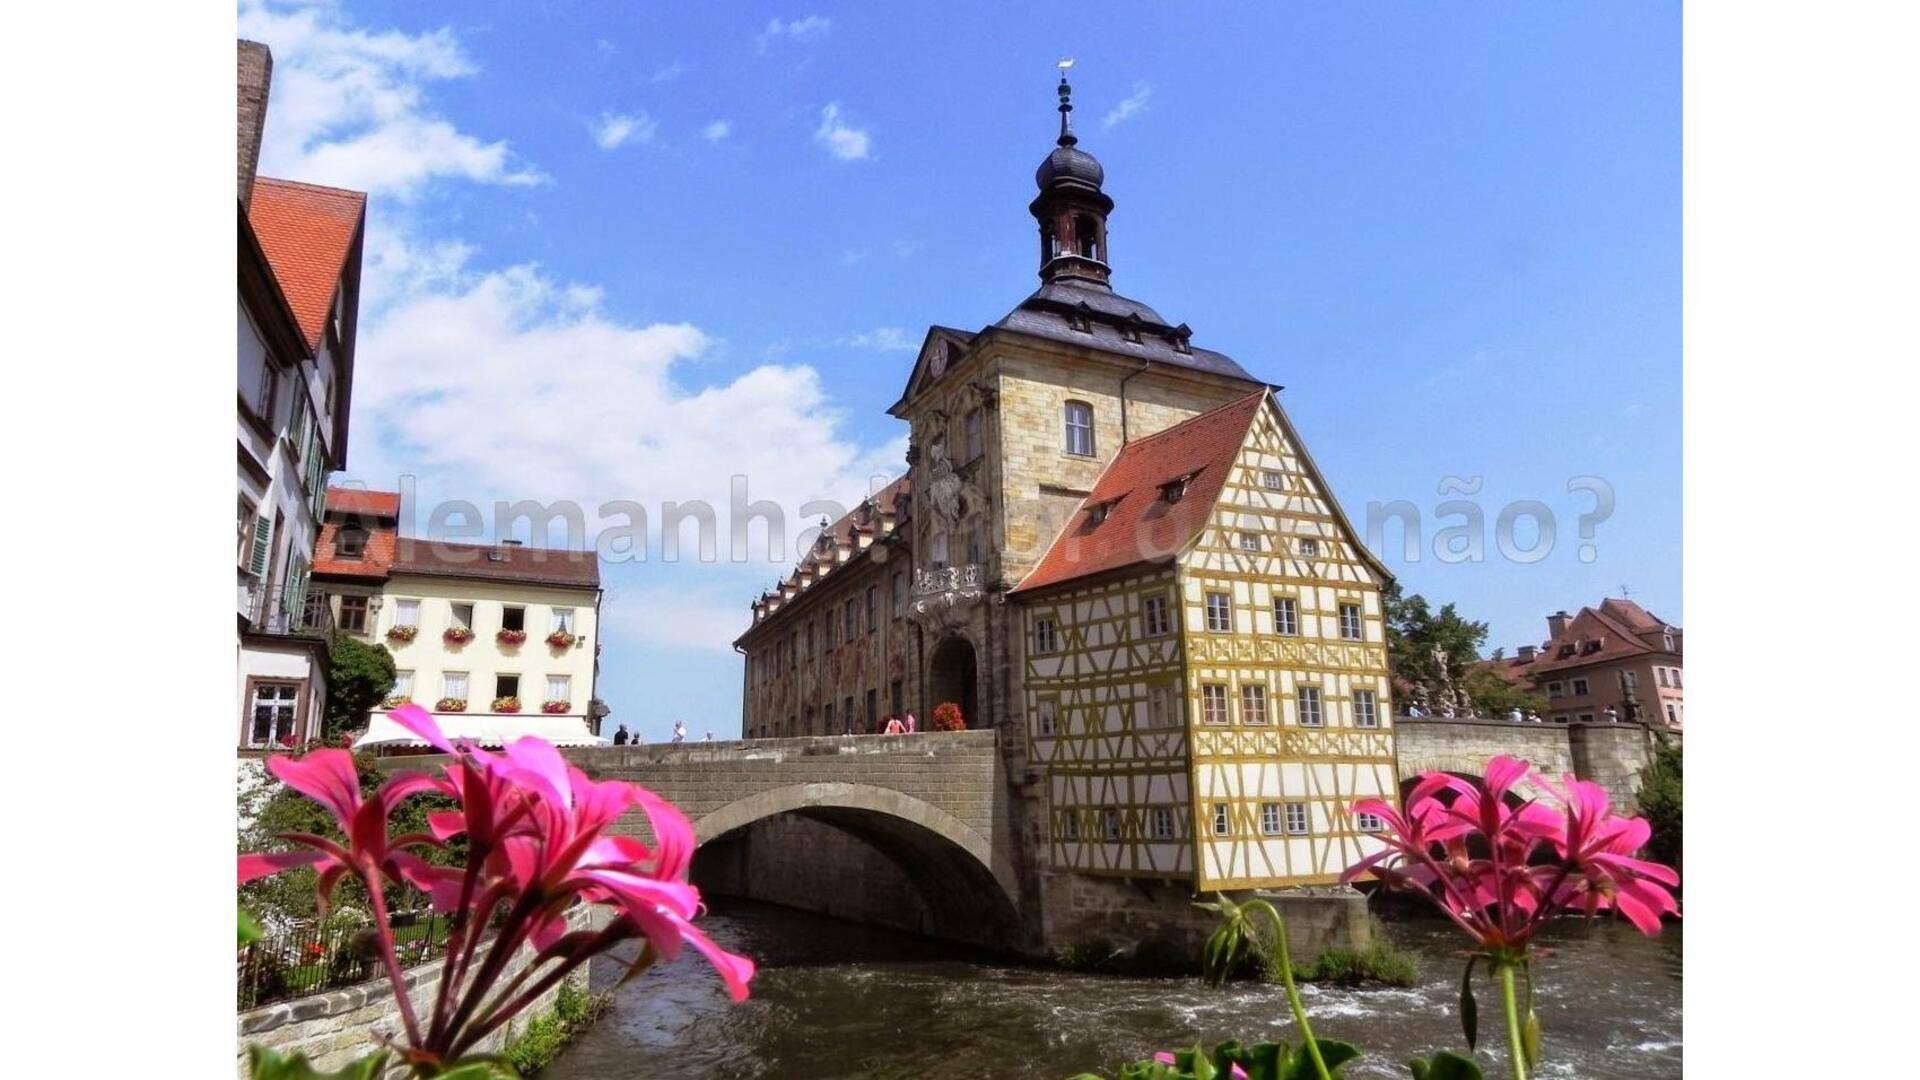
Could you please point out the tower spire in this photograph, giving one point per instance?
(1067, 137)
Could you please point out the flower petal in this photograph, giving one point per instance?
(328, 777)
(263, 863)
(421, 723)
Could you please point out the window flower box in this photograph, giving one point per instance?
(506, 704)
(401, 633)
(511, 637)
(457, 635)
(562, 639)
(450, 704)
(396, 701)
(555, 708)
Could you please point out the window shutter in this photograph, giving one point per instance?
(262, 547)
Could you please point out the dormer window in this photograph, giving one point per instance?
(350, 542)
(1591, 647)
(1081, 318)
(1098, 512)
(1130, 329)
(1174, 490)
(1182, 339)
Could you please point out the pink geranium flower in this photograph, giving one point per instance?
(536, 849)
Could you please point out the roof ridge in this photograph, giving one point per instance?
(281, 182)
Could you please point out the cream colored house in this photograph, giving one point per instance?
(497, 640)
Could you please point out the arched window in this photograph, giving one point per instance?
(1079, 417)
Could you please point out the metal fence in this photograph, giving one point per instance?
(311, 959)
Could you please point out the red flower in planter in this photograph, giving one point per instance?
(510, 637)
(449, 704)
(457, 635)
(401, 634)
(946, 717)
(506, 704)
(556, 707)
(562, 639)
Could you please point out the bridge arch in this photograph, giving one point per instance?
(963, 881)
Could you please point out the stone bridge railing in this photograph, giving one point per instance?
(1609, 754)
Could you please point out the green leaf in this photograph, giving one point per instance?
(1530, 1039)
(480, 1070)
(1445, 1065)
(1336, 1053)
(249, 930)
(1469, 1009)
(265, 1064)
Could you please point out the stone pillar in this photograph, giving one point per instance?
(1612, 756)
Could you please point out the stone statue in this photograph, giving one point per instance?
(943, 487)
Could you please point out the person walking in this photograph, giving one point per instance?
(621, 738)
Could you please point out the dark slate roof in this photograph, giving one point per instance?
(498, 562)
(1050, 312)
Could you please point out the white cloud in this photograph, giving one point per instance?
(843, 141)
(881, 339)
(1129, 106)
(606, 45)
(671, 72)
(810, 28)
(614, 130)
(717, 130)
(350, 108)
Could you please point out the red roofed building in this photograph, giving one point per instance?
(1615, 661)
(299, 300)
(501, 640)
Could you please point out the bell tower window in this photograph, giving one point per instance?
(1086, 236)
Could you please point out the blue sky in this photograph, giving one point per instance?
(630, 252)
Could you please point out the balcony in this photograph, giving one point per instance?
(282, 612)
(940, 595)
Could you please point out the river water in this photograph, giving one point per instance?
(837, 1000)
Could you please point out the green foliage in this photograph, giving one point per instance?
(249, 929)
(1660, 801)
(537, 1046)
(359, 677)
(289, 895)
(1445, 1065)
(1491, 695)
(1379, 962)
(265, 1064)
(1426, 648)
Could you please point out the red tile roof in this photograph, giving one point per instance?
(363, 503)
(1140, 525)
(307, 232)
(374, 563)
(1614, 630)
(498, 562)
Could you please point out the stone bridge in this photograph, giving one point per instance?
(912, 831)
(1608, 754)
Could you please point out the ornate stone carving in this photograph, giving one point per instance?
(941, 597)
(943, 486)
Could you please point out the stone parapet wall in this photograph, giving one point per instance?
(1608, 754)
(340, 1026)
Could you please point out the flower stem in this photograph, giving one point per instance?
(1285, 960)
(1516, 1045)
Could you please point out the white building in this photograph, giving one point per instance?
(299, 299)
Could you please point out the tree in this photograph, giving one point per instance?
(360, 676)
(1431, 650)
(1491, 695)
(1660, 800)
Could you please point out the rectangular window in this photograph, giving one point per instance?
(1296, 819)
(1369, 822)
(1253, 704)
(506, 686)
(453, 685)
(1272, 480)
(1070, 825)
(1219, 612)
(826, 717)
(275, 707)
(1110, 824)
(898, 592)
(1153, 616)
(873, 599)
(897, 695)
(1586, 718)
(1579, 688)
(1673, 717)
(1556, 690)
(1350, 621)
(1045, 638)
(1309, 547)
(563, 620)
(560, 688)
(1366, 709)
(353, 613)
(1249, 541)
(873, 710)
(463, 615)
(1222, 825)
(1213, 703)
(1270, 818)
(852, 620)
(1559, 718)
(1048, 710)
(1163, 706)
(402, 684)
(1286, 616)
(809, 652)
(1160, 819)
(1660, 675)
(1308, 700)
(1079, 420)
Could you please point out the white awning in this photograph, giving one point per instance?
(487, 729)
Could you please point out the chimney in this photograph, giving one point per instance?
(1557, 624)
(1526, 654)
(256, 75)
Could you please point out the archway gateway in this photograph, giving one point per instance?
(952, 675)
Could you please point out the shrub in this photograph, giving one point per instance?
(360, 675)
(1660, 801)
(535, 1048)
(946, 717)
(1379, 962)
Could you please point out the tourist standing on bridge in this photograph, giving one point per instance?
(895, 726)
(679, 731)
(912, 724)
(620, 737)
(708, 737)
